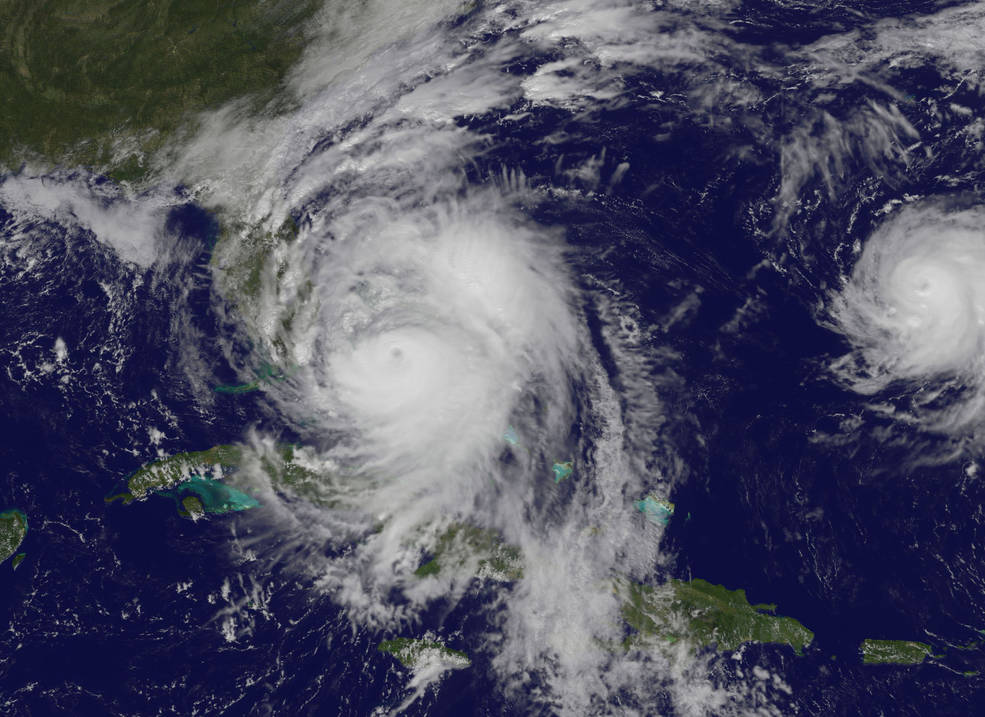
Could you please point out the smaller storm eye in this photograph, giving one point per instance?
(396, 353)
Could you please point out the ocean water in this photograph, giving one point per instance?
(726, 254)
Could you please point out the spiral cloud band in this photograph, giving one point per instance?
(442, 353)
(429, 332)
(914, 308)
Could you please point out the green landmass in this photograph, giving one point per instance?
(13, 528)
(18, 559)
(252, 267)
(246, 263)
(199, 472)
(288, 475)
(180, 467)
(105, 82)
(411, 652)
(191, 507)
(462, 544)
(896, 652)
(706, 615)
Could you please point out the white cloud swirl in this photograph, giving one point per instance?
(914, 311)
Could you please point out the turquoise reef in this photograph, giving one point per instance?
(656, 511)
(213, 496)
(562, 471)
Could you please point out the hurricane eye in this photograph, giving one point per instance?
(930, 280)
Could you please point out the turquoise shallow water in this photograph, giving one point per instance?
(561, 471)
(655, 511)
(216, 497)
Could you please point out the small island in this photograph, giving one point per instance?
(706, 615)
(191, 507)
(415, 653)
(894, 652)
(13, 528)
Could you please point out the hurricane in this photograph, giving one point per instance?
(914, 309)
(432, 331)
(496, 357)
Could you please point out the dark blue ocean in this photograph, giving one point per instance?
(857, 528)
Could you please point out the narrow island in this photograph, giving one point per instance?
(894, 652)
(193, 480)
(264, 374)
(168, 472)
(198, 480)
